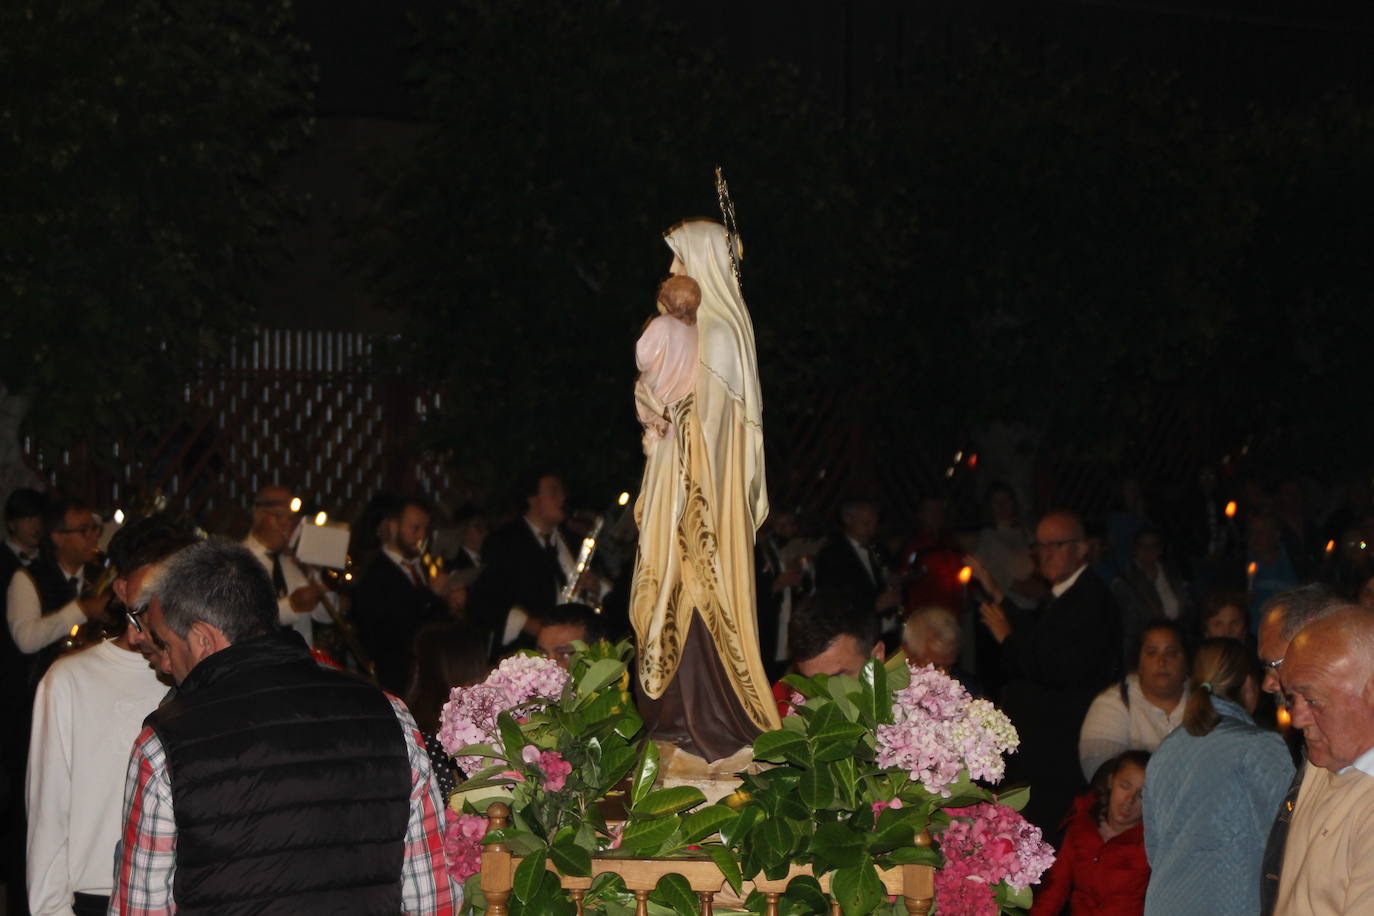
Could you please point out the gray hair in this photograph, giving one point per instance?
(1297, 607)
(932, 624)
(219, 583)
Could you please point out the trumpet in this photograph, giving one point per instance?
(584, 559)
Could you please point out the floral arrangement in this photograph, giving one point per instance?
(868, 773)
(878, 771)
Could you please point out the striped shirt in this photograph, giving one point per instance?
(145, 857)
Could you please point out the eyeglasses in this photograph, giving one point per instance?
(88, 528)
(1274, 665)
(1055, 545)
(133, 613)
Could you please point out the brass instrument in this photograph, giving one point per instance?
(347, 631)
(584, 560)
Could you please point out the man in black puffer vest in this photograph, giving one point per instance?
(270, 784)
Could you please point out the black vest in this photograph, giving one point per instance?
(290, 785)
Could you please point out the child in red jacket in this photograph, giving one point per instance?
(1101, 867)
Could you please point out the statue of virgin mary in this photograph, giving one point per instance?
(702, 500)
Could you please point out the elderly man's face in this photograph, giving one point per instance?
(1060, 547)
(1332, 702)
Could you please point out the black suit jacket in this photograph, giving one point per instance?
(388, 609)
(1056, 660)
(838, 567)
(516, 570)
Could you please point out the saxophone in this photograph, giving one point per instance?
(584, 559)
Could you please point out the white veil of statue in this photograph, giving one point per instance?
(702, 500)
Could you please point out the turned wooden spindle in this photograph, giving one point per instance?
(496, 867)
(707, 899)
(772, 900)
(918, 883)
(577, 895)
(641, 903)
(835, 908)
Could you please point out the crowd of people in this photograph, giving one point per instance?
(1140, 656)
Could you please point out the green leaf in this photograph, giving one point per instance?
(728, 864)
(701, 824)
(571, 859)
(528, 874)
(667, 801)
(912, 855)
(1015, 799)
(511, 736)
(775, 745)
(891, 837)
(898, 674)
(732, 834)
(674, 891)
(806, 891)
(874, 679)
(601, 673)
(776, 837)
(857, 888)
(615, 763)
(816, 788)
(645, 837)
(646, 774)
(1021, 899)
(845, 691)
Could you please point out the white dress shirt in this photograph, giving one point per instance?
(87, 712)
(295, 578)
(31, 629)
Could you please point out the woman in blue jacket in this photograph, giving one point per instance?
(1212, 790)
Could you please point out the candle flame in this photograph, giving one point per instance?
(1330, 546)
(1231, 509)
(295, 504)
(119, 516)
(1252, 568)
(1284, 717)
(624, 498)
(321, 518)
(74, 631)
(973, 460)
(965, 575)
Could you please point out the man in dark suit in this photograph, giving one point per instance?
(1056, 660)
(850, 561)
(394, 596)
(525, 564)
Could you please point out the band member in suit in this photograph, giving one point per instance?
(850, 560)
(395, 595)
(525, 564)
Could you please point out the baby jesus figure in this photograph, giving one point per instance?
(666, 355)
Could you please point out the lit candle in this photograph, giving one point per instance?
(1250, 576)
(1231, 509)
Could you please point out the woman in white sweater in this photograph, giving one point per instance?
(1138, 712)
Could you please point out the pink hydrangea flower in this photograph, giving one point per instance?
(993, 843)
(463, 835)
(556, 770)
(469, 717)
(938, 730)
(880, 806)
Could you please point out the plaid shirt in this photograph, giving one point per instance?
(146, 857)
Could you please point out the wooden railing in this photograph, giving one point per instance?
(914, 884)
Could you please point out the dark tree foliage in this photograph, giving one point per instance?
(136, 142)
(991, 237)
